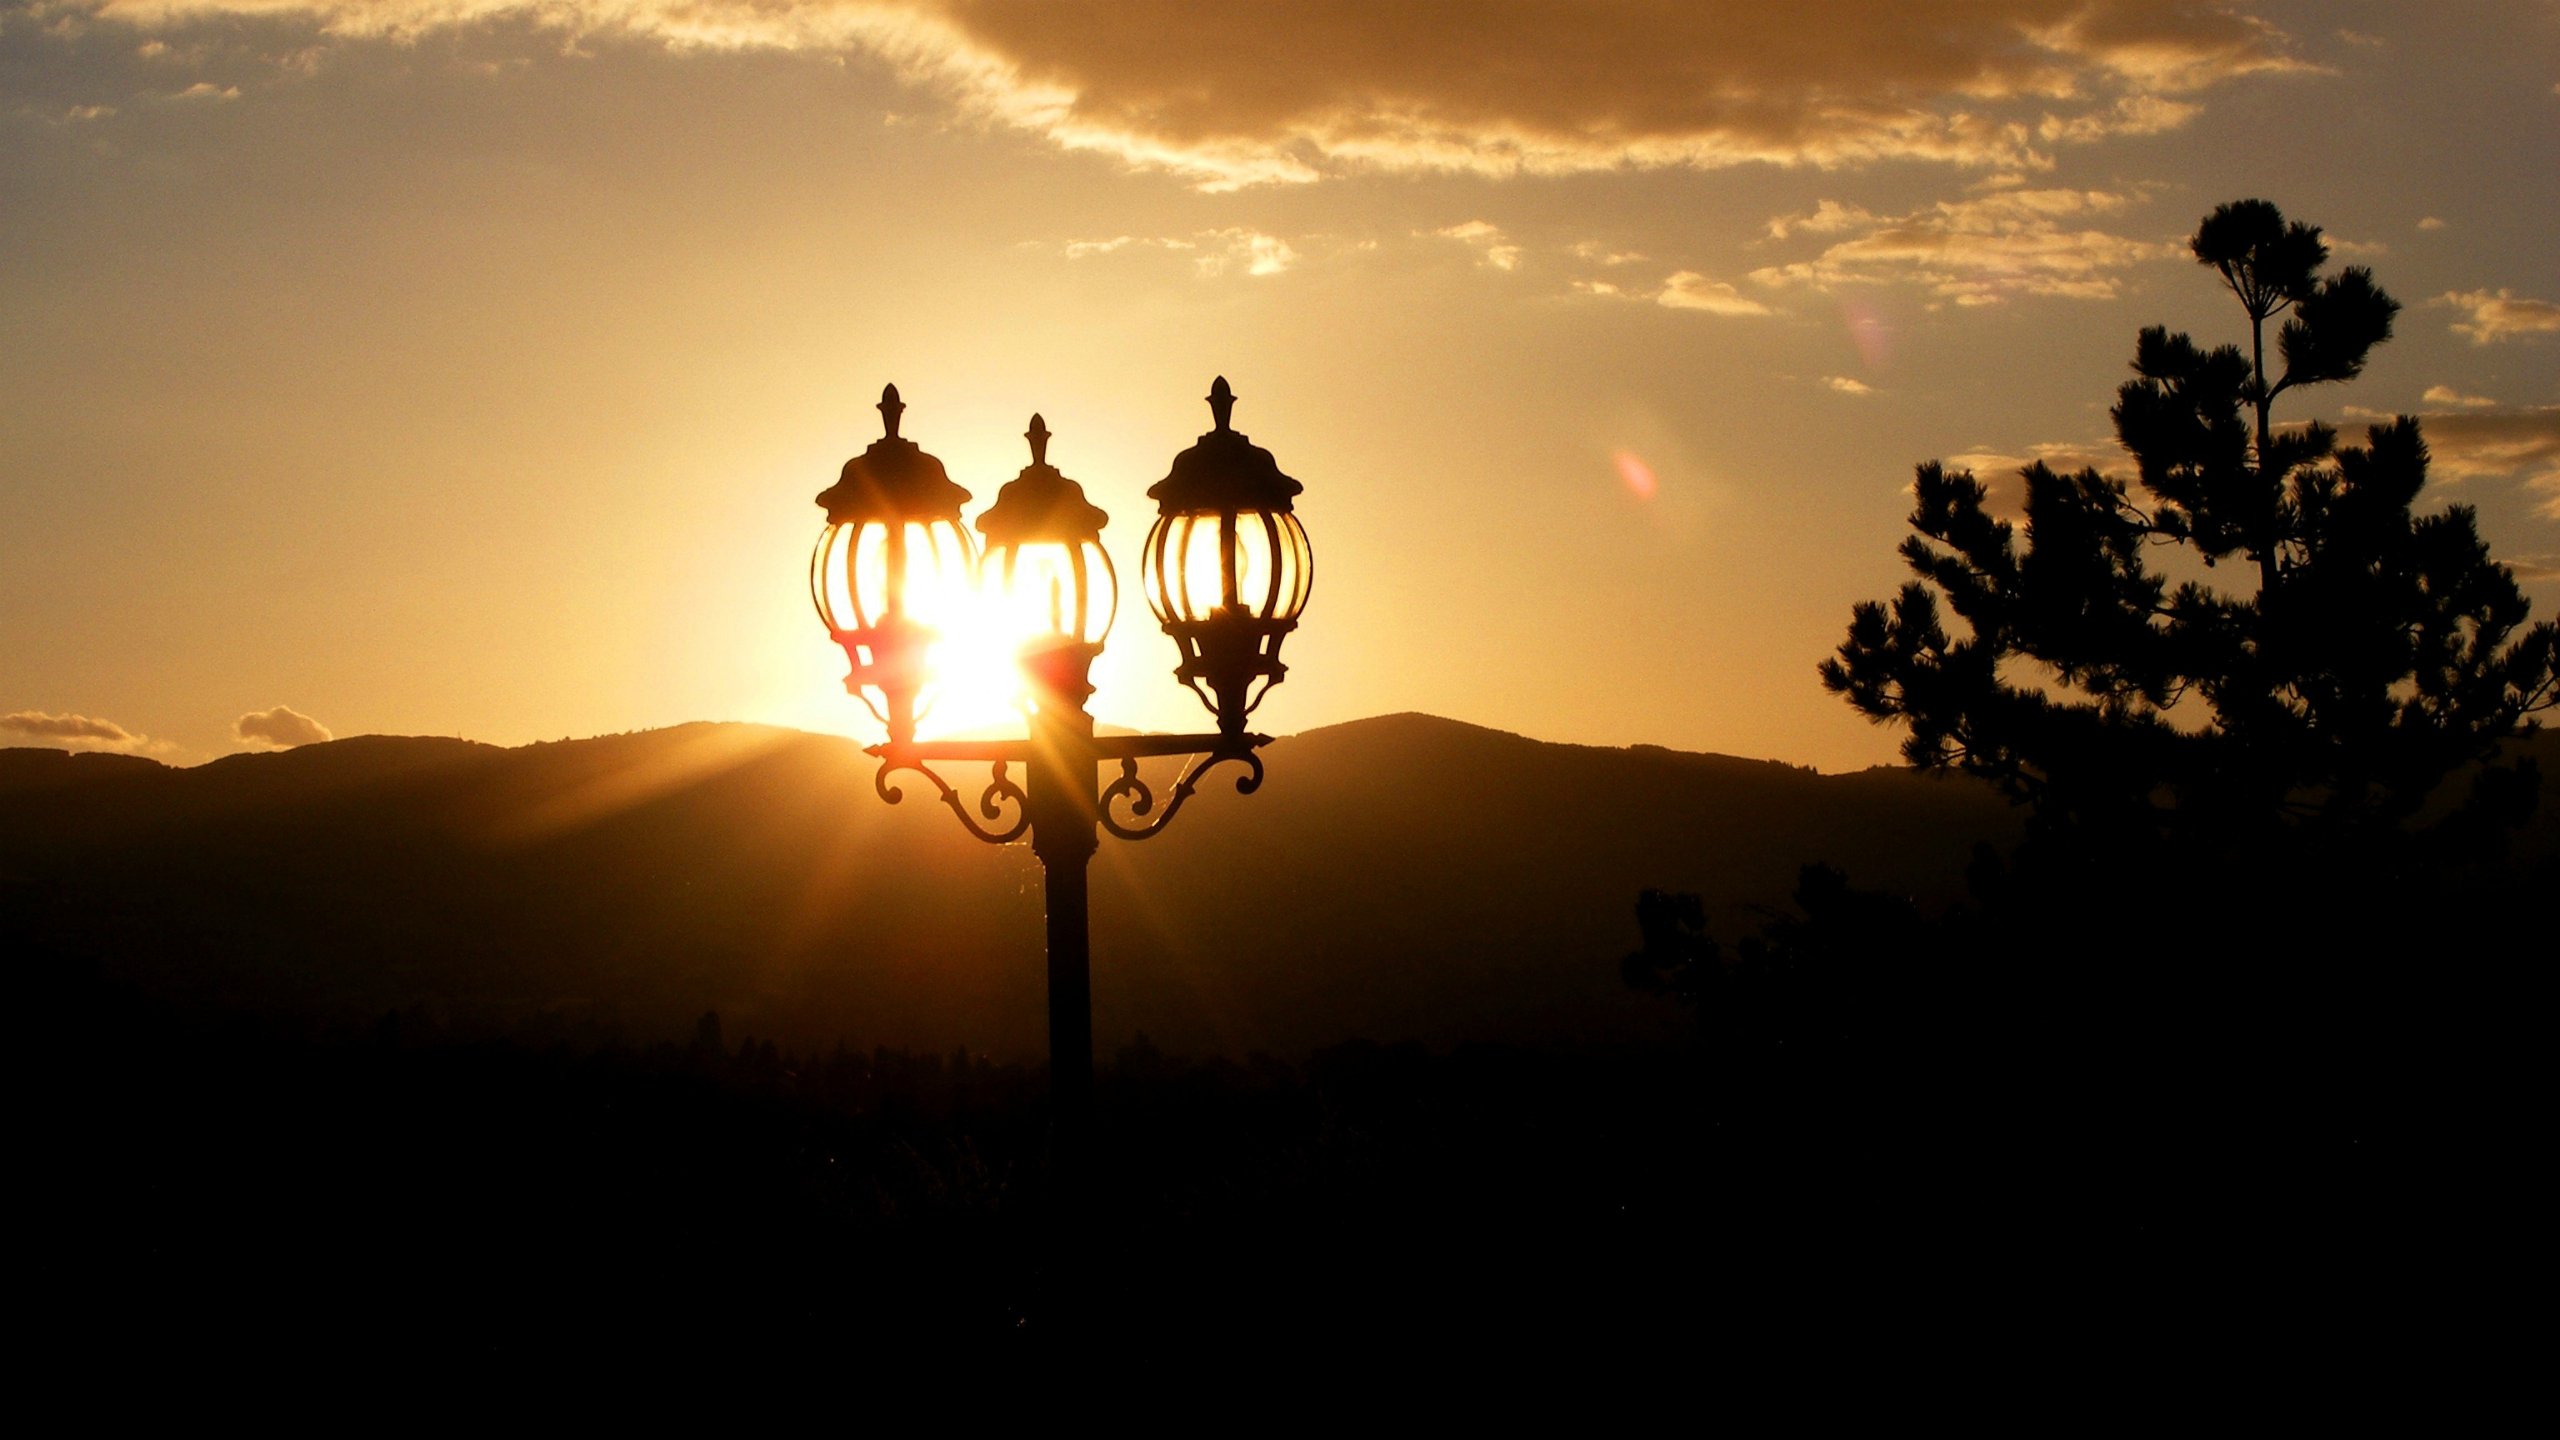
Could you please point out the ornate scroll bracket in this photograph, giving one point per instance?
(1001, 791)
(1145, 815)
(1141, 800)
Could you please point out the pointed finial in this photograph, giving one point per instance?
(1038, 435)
(1222, 401)
(891, 407)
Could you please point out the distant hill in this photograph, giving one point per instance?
(1398, 878)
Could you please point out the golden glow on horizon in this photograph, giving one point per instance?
(258, 417)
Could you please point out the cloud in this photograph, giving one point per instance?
(78, 732)
(1690, 290)
(1248, 250)
(1828, 217)
(1976, 251)
(283, 728)
(2500, 442)
(2469, 445)
(1600, 254)
(1487, 240)
(2006, 490)
(207, 90)
(1296, 90)
(2429, 222)
(1213, 252)
(2062, 456)
(2133, 115)
(2500, 316)
(1848, 386)
(2447, 395)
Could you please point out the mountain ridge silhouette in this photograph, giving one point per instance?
(1404, 877)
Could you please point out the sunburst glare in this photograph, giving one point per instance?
(977, 671)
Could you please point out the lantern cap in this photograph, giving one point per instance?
(1225, 471)
(1041, 504)
(894, 480)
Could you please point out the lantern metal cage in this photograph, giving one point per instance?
(1228, 567)
(1044, 563)
(892, 561)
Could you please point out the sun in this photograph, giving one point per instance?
(977, 683)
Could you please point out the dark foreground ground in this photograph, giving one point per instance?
(231, 1192)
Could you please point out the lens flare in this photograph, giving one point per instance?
(1869, 331)
(1637, 475)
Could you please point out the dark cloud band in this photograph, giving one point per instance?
(1294, 90)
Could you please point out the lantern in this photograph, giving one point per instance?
(1227, 566)
(1045, 570)
(891, 565)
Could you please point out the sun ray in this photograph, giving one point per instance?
(676, 762)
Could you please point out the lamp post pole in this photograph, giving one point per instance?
(1228, 570)
(1062, 812)
(1063, 834)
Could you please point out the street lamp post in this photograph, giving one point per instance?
(1227, 571)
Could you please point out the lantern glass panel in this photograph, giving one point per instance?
(864, 573)
(1046, 588)
(1198, 563)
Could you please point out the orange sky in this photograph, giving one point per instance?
(467, 366)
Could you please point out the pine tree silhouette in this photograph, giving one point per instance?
(2376, 652)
